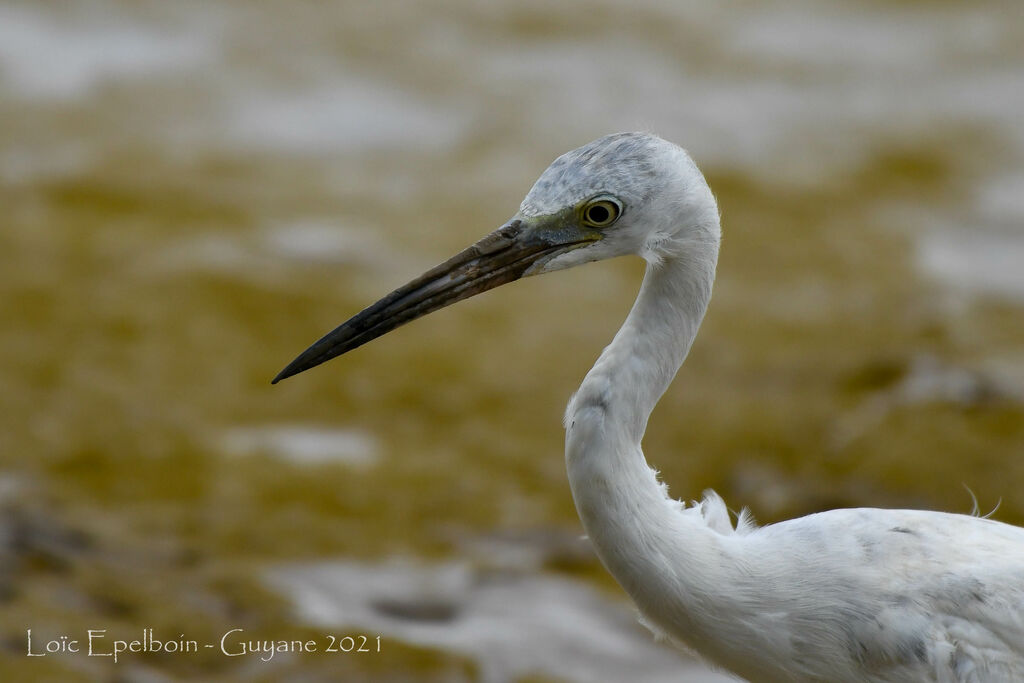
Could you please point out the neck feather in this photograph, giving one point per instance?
(636, 368)
(644, 538)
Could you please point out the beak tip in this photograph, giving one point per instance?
(306, 360)
(285, 374)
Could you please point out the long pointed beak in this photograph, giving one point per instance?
(501, 257)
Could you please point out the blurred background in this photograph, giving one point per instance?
(192, 192)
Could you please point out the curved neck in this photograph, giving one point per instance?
(637, 367)
(641, 535)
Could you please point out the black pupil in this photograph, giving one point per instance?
(599, 213)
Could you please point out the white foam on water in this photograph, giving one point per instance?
(847, 38)
(984, 253)
(302, 444)
(316, 241)
(1001, 199)
(795, 87)
(270, 254)
(44, 56)
(512, 625)
(348, 113)
(979, 262)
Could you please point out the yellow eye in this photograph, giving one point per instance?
(601, 213)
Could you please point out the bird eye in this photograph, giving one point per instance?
(601, 213)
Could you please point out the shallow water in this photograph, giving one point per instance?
(302, 444)
(512, 625)
(192, 192)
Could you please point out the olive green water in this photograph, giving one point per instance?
(147, 300)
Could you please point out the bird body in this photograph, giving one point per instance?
(846, 595)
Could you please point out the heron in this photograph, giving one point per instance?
(849, 595)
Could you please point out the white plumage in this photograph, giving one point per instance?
(856, 595)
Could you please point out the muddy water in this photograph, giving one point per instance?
(192, 192)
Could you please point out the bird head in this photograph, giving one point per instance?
(627, 193)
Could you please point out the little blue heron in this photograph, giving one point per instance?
(853, 595)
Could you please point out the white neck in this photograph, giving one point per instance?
(663, 557)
